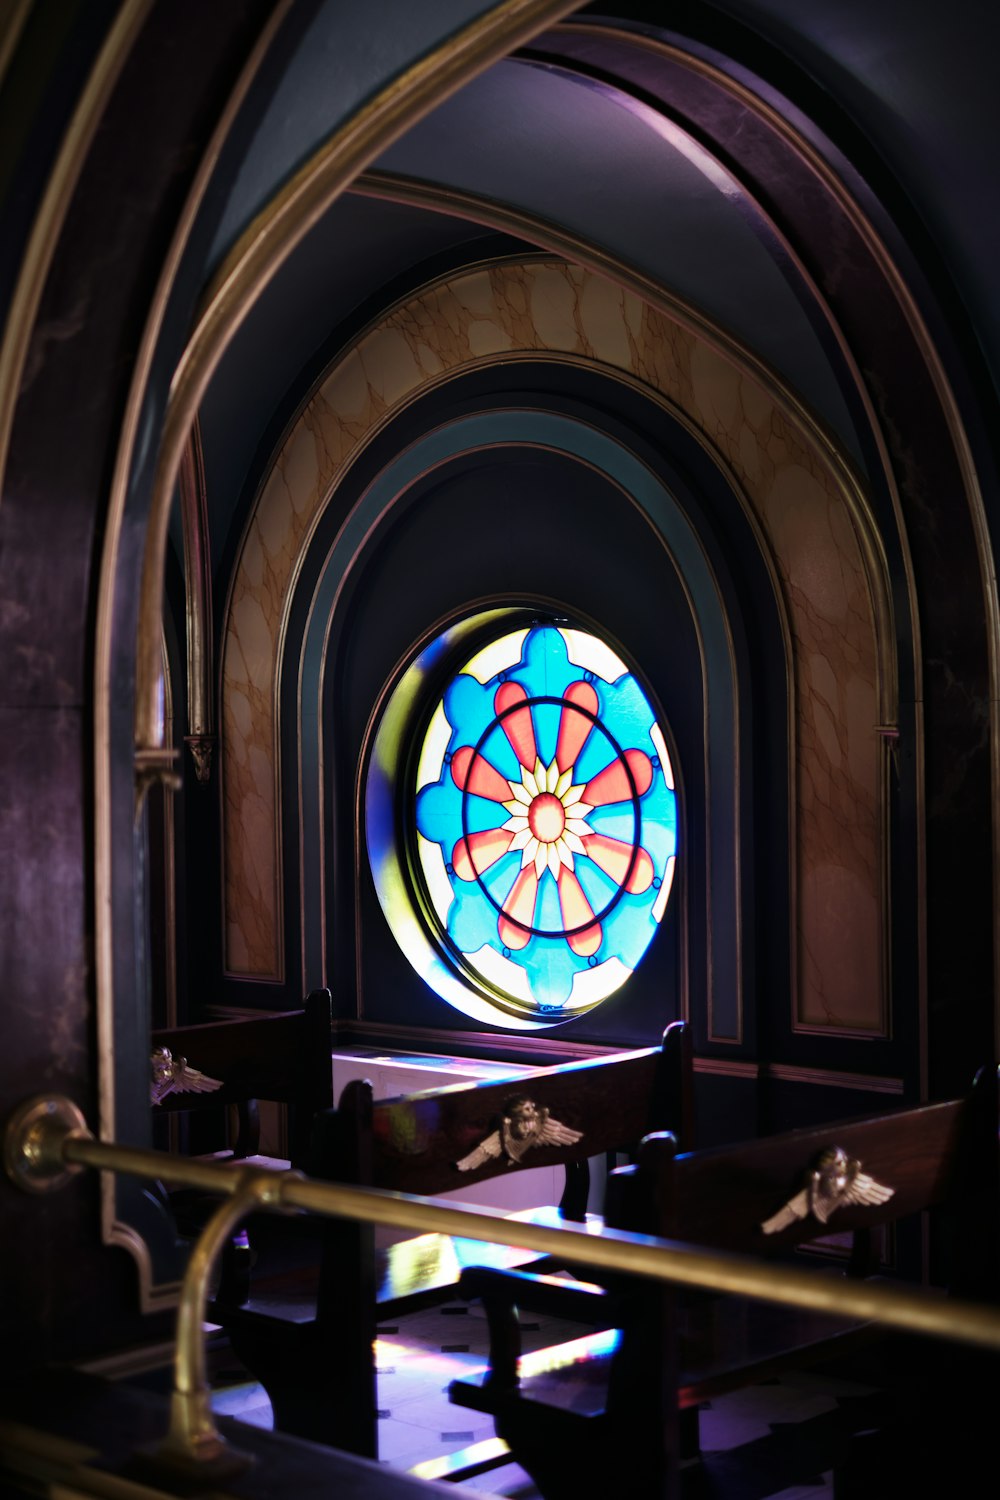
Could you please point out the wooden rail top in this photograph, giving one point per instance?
(573, 1111)
(934, 1155)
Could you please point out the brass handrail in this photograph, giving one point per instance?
(47, 1139)
(192, 1435)
(641, 1255)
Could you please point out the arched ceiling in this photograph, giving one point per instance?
(918, 80)
(540, 142)
(618, 175)
(357, 251)
(329, 62)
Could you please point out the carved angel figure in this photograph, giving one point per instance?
(836, 1181)
(171, 1075)
(522, 1126)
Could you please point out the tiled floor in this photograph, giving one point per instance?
(769, 1442)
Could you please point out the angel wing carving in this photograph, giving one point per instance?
(860, 1189)
(835, 1182)
(482, 1153)
(523, 1126)
(555, 1133)
(171, 1075)
(795, 1208)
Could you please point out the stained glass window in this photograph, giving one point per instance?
(545, 822)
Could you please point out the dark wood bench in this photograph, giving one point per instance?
(311, 1345)
(277, 1058)
(69, 1433)
(570, 1420)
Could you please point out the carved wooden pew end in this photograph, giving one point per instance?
(637, 1392)
(231, 1066)
(429, 1143)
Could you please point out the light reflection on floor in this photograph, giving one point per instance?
(419, 1356)
(419, 1263)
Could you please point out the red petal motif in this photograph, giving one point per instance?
(576, 910)
(575, 727)
(613, 856)
(520, 904)
(612, 784)
(517, 726)
(472, 773)
(472, 855)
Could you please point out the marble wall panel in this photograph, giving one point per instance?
(803, 505)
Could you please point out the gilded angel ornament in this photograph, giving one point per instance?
(522, 1126)
(171, 1075)
(836, 1181)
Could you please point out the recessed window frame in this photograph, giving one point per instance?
(393, 843)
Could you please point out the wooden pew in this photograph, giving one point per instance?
(278, 1058)
(576, 1419)
(311, 1346)
(70, 1434)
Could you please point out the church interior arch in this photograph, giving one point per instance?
(659, 327)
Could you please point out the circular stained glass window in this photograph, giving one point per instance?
(545, 824)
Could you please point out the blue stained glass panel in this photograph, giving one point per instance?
(551, 810)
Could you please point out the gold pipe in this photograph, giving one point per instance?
(275, 232)
(12, 22)
(200, 737)
(36, 262)
(670, 1261)
(614, 1250)
(184, 1171)
(193, 1436)
(46, 1139)
(192, 1440)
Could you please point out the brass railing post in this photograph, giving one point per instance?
(193, 1437)
(46, 1139)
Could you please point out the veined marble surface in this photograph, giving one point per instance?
(806, 516)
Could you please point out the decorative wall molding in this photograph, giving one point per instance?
(805, 503)
(827, 1078)
(200, 738)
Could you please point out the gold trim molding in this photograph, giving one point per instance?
(828, 1078)
(276, 231)
(200, 738)
(55, 203)
(116, 1231)
(800, 495)
(726, 1067)
(12, 23)
(395, 188)
(272, 237)
(822, 170)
